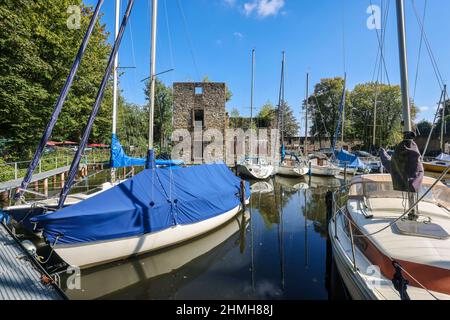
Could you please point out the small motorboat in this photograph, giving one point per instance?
(255, 168)
(376, 249)
(439, 165)
(292, 166)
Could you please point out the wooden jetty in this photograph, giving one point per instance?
(20, 275)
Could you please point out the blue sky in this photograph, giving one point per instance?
(219, 35)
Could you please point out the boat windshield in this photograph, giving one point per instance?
(380, 186)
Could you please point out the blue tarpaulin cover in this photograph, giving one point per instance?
(152, 201)
(119, 159)
(352, 161)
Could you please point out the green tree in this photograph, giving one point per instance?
(324, 107)
(289, 124)
(389, 114)
(163, 113)
(37, 50)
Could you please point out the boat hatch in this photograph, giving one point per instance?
(421, 229)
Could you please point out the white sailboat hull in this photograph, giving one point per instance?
(259, 172)
(289, 171)
(92, 254)
(325, 171)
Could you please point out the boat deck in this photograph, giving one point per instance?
(20, 279)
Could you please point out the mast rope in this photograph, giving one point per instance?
(189, 38)
(434, 63)
(420, 51)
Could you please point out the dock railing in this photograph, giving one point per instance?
(17, 170)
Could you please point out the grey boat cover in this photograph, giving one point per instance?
(405, 166)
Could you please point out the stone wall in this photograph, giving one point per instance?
(212, 101)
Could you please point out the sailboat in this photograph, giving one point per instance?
(290, 165)
(254, 167)
(383, 250)
(155, 209)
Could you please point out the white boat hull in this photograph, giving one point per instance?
(253, 171)
(326, 171)
(296, 172)
(92, 254)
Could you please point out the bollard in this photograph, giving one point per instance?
(243, 196)
(46, 187)
(36, 186)
(62, 180)
(4, 197)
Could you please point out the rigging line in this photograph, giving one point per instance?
(133, 55)
(428, 46)
(189, 38)
(420, 51)
(169, 36)
(381, 41)
(344, 57)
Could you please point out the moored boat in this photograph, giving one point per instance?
(375, 248)
(153, 210)
(255, 168)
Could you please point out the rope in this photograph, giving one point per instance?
(428, 46)
(186, 30)
(420, 51)
(39, 258)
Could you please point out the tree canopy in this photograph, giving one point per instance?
(38, 50)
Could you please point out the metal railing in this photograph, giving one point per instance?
(17, 170)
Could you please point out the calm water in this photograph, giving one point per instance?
(280, 253)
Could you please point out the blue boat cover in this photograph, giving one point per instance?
(152, 201)
(352, 161)
(119, 159)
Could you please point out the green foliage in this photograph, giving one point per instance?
(289, 124)
(163, 114)
(37, 52)
(359, 112)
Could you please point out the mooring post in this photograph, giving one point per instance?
(243, 195)
(46, 187)
(36, 186)
(62, 180)
(345, 173)
(4, 197)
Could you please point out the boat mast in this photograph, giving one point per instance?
(150, 158)
(407, 129)
(281, 106)
(116, 80)
(443, 119)
(343, 111)
(305, 148)
(252, 89)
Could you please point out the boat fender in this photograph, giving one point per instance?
(400, 283)
(30, 247)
